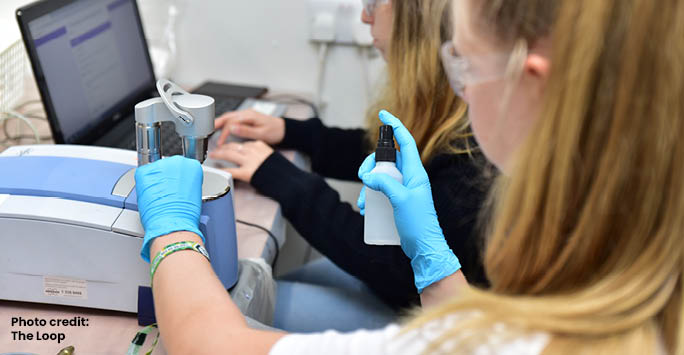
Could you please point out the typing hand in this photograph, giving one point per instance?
(421, 236)
(247, 156)
(169, 198)
(251, 124)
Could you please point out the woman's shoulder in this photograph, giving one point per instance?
(445, 334)
(473, 162)
(470, 170)
(395, 340)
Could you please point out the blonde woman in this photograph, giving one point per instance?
(368, 282)
(585, 248)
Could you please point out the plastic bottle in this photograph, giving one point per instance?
(379, 226)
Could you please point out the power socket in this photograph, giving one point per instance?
(323, 27)
(339, 22)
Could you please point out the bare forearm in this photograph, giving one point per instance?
(443, 290)
(195, 313)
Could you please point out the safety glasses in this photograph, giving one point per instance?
(370, 5)
(462, 73)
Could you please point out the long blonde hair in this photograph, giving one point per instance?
(587, 237)
(417, 89)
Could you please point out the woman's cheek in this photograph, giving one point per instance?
(483, 112)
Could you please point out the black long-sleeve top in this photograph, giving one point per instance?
(336, 230)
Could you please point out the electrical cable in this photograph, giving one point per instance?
(366, 73)
(32, 115)
(273, 237)
(22, 137)
(4, 128)
(15, 115)
(26, 103)
(36, 115)
(320, 78)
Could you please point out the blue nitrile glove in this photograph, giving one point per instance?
(361, 201)
(169, 198)
(414, 212)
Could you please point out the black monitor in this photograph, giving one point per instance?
(91, 63)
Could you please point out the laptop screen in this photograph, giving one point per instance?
(93, 57)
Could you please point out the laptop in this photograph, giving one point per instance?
(92, 66)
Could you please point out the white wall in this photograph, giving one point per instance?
(260, 42)
(9, 30)
(264, 42)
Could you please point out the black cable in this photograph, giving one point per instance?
(275, 240)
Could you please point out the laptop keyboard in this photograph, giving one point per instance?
(225, 104)
(171, 142)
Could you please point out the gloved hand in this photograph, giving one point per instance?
(169, 198)
(421, 236)
(361, 201)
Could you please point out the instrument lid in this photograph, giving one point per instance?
(214, 187)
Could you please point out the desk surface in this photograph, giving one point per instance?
(111, 332)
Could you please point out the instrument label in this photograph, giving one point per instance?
(65, 287)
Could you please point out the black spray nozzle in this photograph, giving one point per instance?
(385, 150)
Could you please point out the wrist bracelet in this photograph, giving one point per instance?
(172, 248)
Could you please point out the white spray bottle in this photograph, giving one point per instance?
(379, 226)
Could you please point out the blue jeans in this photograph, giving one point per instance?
(321, 296)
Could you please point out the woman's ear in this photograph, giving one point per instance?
(538, 66)
(537, 70)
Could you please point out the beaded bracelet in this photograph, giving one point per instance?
(172, 248)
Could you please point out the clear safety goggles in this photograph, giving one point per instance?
(461, 73)
(370, 5)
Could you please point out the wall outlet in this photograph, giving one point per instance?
(339, 22)
(323, 28)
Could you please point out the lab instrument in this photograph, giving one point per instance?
(71, 232)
